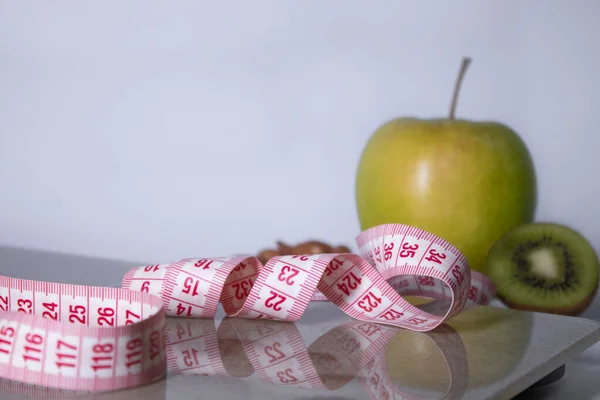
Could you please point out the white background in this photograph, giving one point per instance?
(152, 131)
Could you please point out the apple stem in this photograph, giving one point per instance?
(461, 73)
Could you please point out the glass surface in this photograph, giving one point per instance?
(483, 353)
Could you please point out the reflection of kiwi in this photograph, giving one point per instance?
(495, 341)
(544, 267)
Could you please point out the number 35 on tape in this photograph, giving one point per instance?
(98, 339)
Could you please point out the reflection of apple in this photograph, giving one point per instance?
(495, 340)
(466, 181)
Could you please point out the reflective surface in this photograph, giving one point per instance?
(484, 353)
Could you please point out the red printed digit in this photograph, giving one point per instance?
(408, 250)
(293, 272)
(400, 284)
(375, 379)
(205, 264)
(370, 257)
(349, 283)
(102, 361)
(333, 266)
(133, 355)
(392, 314)
(181, 330)
(473, 293)
(77, 314)
(190, 286)
(384, 394)
(378, 254)
(370, 365)
(271, 302)
(51, 312)
(190, 357)
(130, 316)
(369, 329)
(6, 341)
(240, 267)
(301, 258)
(264, 330)
(144, 287)
(274, 353)
(155, 345)
(387, 248)
(7, 331)
(286, 376)
(33, 351)
(484, 298)
(426, 281)
(416, 321)
(152, 268)
(435, 256)
(458, 274)
(371, 300)
(350, 345)
(3, 303)
(106, 316)
(242, 289)
(24, 306)
(62, 352)
(60, 344)
(182, 309)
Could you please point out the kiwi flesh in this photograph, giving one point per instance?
(544, 267)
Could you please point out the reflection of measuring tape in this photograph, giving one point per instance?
(447, 340)
(273, 351)
(94, 338)
(276, 354)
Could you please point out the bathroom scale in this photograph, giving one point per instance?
(485, 352)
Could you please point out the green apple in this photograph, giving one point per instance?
(466, 181)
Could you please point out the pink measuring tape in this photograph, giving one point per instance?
(98, 339)
(275, 354)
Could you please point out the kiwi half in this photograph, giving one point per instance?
(544, 267)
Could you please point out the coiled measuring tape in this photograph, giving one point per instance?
(87, 338)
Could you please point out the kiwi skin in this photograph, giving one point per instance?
(572, 311)
(501, 269)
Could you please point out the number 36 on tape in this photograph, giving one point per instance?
(97, 339)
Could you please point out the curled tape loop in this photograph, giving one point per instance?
(97, 339)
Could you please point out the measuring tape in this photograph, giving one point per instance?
(87, 338)
(275, 354)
